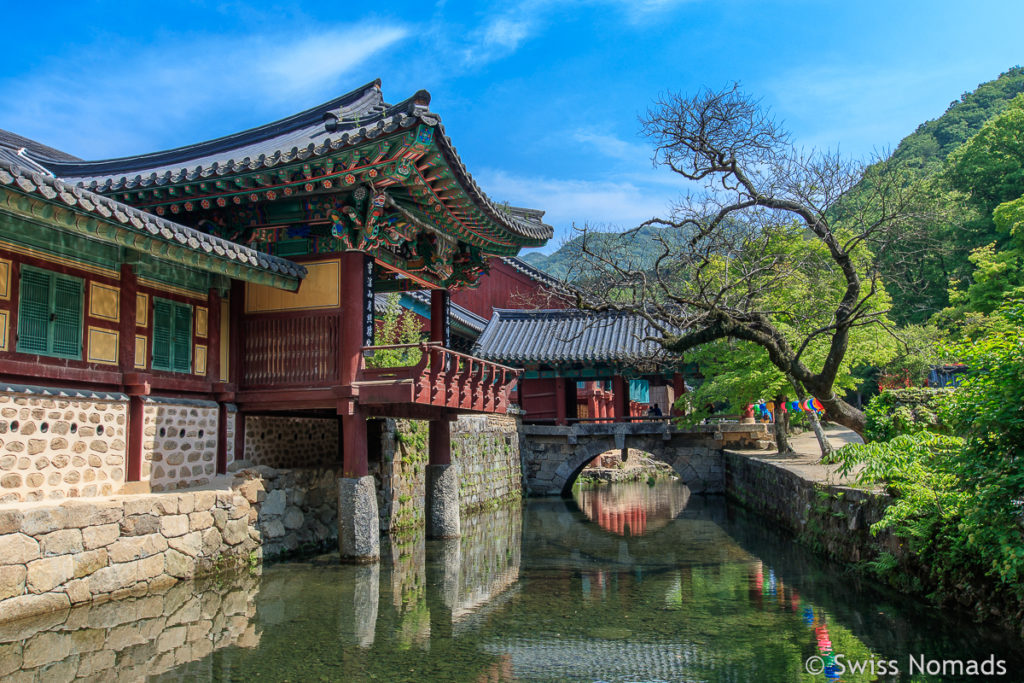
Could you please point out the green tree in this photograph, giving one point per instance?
(396, 326)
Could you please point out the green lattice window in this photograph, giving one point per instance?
(172, 336)
(49, 313)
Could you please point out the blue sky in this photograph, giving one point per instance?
(540, 98)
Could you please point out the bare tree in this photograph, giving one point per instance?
(769, 246)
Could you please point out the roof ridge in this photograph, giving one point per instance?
(370, 92)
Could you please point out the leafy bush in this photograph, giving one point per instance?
(904, 411)
(397, 326)
(958, 500)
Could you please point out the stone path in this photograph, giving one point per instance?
(805, 461)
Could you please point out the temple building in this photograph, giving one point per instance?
(582, 365)
(159, 311)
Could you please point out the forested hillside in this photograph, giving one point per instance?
(961, 222)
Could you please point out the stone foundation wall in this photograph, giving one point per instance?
(53, 556)
(400, 475)
(179, 447)
(292, 510)
(56, 445)
(486, 450)
(134, 638)
(283, 442)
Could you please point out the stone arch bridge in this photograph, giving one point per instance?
(553, 456)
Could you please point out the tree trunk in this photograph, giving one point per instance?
(841, 412)
(781, 426)
(823, 442)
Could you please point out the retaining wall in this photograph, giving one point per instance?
(53, 556)
(131, 639)
(835, 520)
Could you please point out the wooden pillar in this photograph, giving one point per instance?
(126, 333)
(126, 364)
(235, 360)
(213, 336)
(560, 401)
(350, 355)
(440, 441)
(592, 403)
(438, 310)
(620, 398)
(136, 415)
(678, 389)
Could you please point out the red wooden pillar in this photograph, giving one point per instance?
(678, 389)
(213, 342)
(126, 364)
(440, 441)
(235, 361)
(350, 354)
(560, 401)
(439, 436)
(437, 321)
(591, 393)
(620, 398)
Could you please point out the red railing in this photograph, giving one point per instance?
(293, 351)
(442, 377)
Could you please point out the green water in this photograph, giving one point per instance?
(627, 583)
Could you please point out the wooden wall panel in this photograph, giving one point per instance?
(319, 290)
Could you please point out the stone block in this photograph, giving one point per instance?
(293, 518)
(200, 520)
(88, 562)
(136, 547)
(179, 565)
(64, 542)
(46, 648)
(113, 578)
(204, 500)
(174, 525)
(39, 521)
(186, 503)
(78, 591)
(46, 574)
(81, 514)
(10, 521)
(212, 542)
(100, 536)
(151, 567)
(274, 504)
(12, 580)
(190, 544)
(236, 531)
(140, 525)
(18, 549)
(274, 528)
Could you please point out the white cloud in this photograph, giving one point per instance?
(499, 37)
(616, 203)
(613, 146)
(119, 100)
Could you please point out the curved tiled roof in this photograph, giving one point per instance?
(353, 118)
(56, 191)
(570, 336)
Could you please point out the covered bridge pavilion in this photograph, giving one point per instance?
(579, 365)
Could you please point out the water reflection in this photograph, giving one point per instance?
(539, 593)
(632, 508)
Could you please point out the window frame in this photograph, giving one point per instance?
(53, 277)
(172, 366)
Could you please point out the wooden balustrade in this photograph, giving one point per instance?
(290, 351)
(442, 378)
